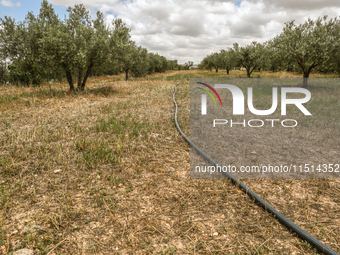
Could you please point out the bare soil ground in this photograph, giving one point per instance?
(106, 172)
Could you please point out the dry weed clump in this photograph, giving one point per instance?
(106, 172)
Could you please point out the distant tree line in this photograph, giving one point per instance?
(313, 45)
(45, 47)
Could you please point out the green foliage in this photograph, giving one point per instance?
(333, 63)
(298, 48)
(140, 65)
(228, 59)
(224, 59)
(249, 56)
(211, 61)
(20, 74)
(4, 74)
(78, 43)
(157, 63)
(272, 57)
(308, 45)
(188, 65)
(20, 43)
(46, 47)
(172, 64)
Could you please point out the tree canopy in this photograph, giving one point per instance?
(45, 46)
(303, 47)
(308, 45)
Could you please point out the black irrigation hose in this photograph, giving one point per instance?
(289, 224)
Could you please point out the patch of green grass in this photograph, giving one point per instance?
(155, 78)
(3, 197)
(177, 77)
(132, 127)
(2, 236)
(9, 167)
(169, 249)
(95, 152)
(114, 180)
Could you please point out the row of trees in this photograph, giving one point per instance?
(45, 47)
(303, 47)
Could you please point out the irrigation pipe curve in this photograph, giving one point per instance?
(288, 223)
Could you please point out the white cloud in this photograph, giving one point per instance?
(8, 3)
(88, 3)
(190, 29)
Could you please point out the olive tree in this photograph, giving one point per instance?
(78, 44)
(188, 65)
(141, 64)
(4, 75)
(308, 45)
(45, 45)
(249, 56)
(157, 63)
(272, 57)
(20, 43)
(228, 59)
(124, 47)
(172, 64)
(206, 63)
(127, 57)
(334, 53)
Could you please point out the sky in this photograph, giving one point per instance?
(190, 30)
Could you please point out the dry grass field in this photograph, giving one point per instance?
(106, 172)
